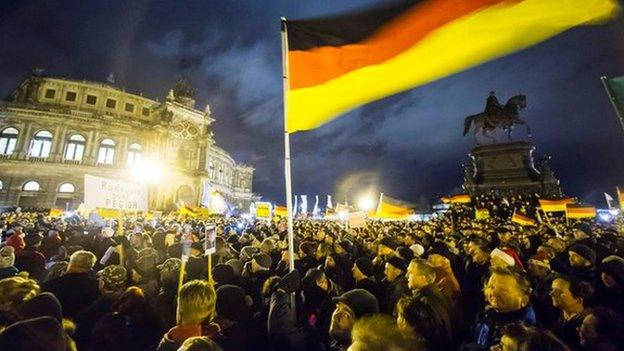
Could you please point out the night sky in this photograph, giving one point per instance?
(408, 145)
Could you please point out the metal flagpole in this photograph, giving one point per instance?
(605, 84)
(287, 177)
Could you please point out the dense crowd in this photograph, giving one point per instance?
(451, 283)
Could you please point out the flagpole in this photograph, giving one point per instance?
(605, 84)
(287, 173)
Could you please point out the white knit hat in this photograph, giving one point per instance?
(418, 250)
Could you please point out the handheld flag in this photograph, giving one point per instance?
(304, 203)
(620, 198)
(337, 64)
(280, 211)
(579, 211)
(316, 209)
(391, 208)
(329, 202)
(558, 205)
(523, 220)
(460, 199)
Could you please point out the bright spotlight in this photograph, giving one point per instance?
(343, 215)
(147, 171)
(365, 203)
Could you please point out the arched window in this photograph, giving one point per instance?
(41, 144)
(134, 155)
(75, 147)
(107, 152)
(1, 185)
(66, 188)
(8, 140)
(31, 186)
(211, 170)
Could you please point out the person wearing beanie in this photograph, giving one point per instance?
(232, 317)
(222, 275)
(501, 259)
(394, 284)
(307, 259)
(30, 259)
(76, 289)
(350, 307)
(610, 290)
(16, 240)
(404, 253)
(255, 273)
(582, 260)
(7, 261)
(541, 276)
(363, 272)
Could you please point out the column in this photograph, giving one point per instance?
(24, 141)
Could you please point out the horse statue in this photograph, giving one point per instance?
(497, 116)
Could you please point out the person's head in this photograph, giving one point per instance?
(557, 244)
(7, 256)
(350, 306)
(170, 272)
(196, 303)
(386, 247)
(132, 299)
(81, 261)
(612, 272)
(417, 313)
(199, 343)
(380, 333)
(581, 256)
(507, 290)
(112, 280)
(478, 252)
(500, 259)
(521, 337)
(601, 330)
(569, 294)
(419, 274)
(394, 268)
(261, 262)
(362, 268)
(581, 231)
(14, 291)
(539, 265)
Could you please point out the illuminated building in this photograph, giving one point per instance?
(53, 131)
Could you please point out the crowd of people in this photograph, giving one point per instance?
(451, 283)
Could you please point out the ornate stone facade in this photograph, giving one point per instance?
(54, 131)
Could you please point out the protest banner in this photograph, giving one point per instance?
(114, 194)
(263, 210)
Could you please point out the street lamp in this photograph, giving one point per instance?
(366, 203)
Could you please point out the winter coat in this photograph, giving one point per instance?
(75, 291)
(487, 329)
(173, 339)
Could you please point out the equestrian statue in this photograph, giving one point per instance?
(497, 116)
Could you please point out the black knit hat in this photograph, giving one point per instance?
(615, 269)
(389, 242)
(263, 260)
(360, 301)
(405, 253)
(440, 249)
(397, 262)
(365, 265)
(584, 251)
(584, 227)
(223, 274)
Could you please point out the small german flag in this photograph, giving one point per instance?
(523, 220)
(580, 211)
(460, 199)
(620, 198)
(558, 205)
(338, 63)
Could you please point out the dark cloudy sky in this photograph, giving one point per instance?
(408, 145)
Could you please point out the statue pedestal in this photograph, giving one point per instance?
(508, 169)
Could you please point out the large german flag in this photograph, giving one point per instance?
(392, 208)
(336, 64)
